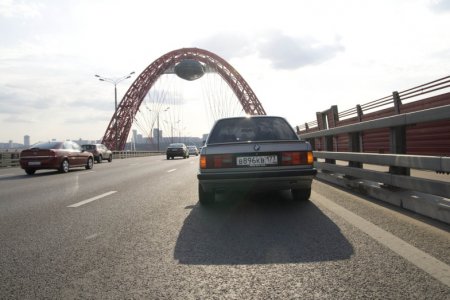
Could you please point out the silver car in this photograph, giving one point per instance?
(193, 150)
(255, 153)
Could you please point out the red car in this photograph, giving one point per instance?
(55, 155)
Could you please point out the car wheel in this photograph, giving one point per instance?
(301, 194)
(168, 157)
(205, 198)
(64, 168)
(30, 171)
(99, 159)
(184, 157)
(110, 158)
(90, 163)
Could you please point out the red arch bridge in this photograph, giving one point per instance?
(120, 125)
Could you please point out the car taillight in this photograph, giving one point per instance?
(310, 158)
(202, 161)
(296, 158)
(216, 161)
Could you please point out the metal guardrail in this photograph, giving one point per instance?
(130, 154)
(427, 115)
(11, 159)
(430, 163)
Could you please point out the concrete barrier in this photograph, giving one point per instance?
(428, 205)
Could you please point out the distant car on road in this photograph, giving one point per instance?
(193, 150)
(100, 152)
(256, 153)
(55, 155)
(177, 149)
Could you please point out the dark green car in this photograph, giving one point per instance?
(256, 153)
(177, 149)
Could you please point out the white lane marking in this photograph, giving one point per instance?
(87, 172)
(92, 236)
(424, 261)
(170, 171)
(92, 199)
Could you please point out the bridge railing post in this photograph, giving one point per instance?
(355, 146)
(397, 139)
(398, 146)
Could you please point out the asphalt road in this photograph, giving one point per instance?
(133, 229)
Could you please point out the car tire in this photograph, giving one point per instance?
(168, 157)
(110, 158)
(30, 171)
(205, 198)
(301, 194)
(64, 168)
(90, 163)
(99, 159)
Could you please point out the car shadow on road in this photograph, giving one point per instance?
(259, 229)
(40, 173)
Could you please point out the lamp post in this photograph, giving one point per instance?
(157, 121)
(114, 81)
(171, 128)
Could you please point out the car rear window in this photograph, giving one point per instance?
(177, 145)
(251, 129)
(88, 147)
(47, 145)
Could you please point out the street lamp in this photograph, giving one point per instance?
(171, 128)
(115, 82)
(157, 121)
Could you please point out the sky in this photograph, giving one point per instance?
(299, 57)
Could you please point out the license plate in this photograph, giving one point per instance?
(255, 161)
(34, 163)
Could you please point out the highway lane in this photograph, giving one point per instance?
(151, 239)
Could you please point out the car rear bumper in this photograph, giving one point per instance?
(176, 153)
(42, 163)
(275, 180)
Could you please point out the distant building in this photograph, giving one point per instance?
(140, 139)
(157, 132)
(26, 141)
(135, 136)
(81, 141)
(10, 146)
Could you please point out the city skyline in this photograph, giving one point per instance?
(137, 138)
